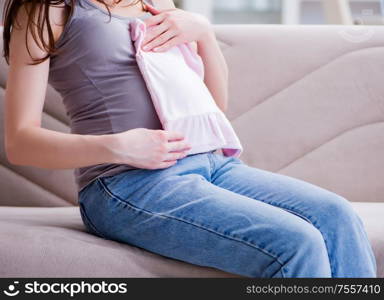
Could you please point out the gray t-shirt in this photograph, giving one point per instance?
(97, 75)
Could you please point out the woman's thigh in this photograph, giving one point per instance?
(332, 214)
(311, 202)
(181, 214)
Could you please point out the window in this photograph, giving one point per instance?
(288, 11)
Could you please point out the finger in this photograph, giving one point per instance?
(161, 41)
(166, 164)
(171, 156)
(154, 31)
(168, 45)
(173, 135)
(178, 146)
(154, 20)
(151, 8)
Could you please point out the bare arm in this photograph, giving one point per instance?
(216, 70)
(26, 142)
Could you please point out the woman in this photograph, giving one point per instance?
(136, 182)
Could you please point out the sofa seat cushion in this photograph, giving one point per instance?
(53, 242)
(372, 215)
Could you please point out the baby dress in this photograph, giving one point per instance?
(175, 81)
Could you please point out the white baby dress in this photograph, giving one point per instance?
(175, 81)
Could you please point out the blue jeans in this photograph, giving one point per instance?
(216, 211)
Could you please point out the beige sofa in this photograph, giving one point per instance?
(306, 101)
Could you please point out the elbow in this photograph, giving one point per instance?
(224, 104)
(11, 153)
(224, 108)
(10, 156)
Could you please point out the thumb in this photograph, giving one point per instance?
(150, 8)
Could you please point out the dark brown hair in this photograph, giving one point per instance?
(39, 10)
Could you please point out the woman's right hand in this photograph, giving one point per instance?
(147, 148)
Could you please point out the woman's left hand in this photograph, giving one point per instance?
(171, 27)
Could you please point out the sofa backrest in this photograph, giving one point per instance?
(306, 101)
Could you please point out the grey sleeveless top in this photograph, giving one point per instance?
(97, 75)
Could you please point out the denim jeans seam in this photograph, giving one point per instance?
(227, 236)
(300, 213)
(90, 223)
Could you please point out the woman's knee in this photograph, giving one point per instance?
(301, 250)
(336, 212)
(308, 242)
(309, 255)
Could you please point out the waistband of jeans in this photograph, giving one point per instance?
(206, 152)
